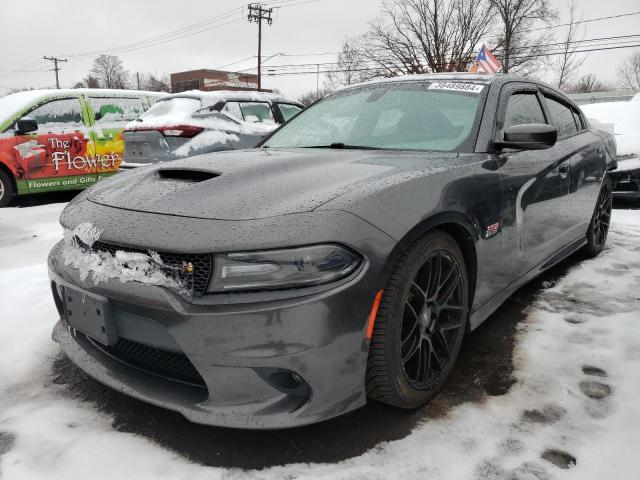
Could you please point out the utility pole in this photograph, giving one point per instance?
(138, 79)
(55, 67)
(257, 14)
(317, 80)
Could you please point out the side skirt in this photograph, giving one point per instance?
(481, 314)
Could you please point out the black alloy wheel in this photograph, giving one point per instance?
(432, 320)
(599, 226)
(420, 324)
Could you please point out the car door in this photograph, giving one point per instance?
(109, 116)
(56, 156)
(535, 186)
(587, 163)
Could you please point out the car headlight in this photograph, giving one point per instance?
(284, 268)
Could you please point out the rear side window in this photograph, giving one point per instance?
(233, 110)
(523, 108)
(115, 110)
(288, 111)
(256, 112)
(561, 117)
(579, 121)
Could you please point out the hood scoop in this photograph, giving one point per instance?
(184, 175)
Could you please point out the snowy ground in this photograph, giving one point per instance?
(577, 366)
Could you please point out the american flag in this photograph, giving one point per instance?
(485, 62)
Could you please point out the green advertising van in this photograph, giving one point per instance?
(64, 139)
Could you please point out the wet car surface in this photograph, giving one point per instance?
(260, 286)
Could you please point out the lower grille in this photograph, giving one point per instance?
(196, 282)
(165, 363)
(625, 187)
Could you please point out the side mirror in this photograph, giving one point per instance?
(529, 136)
(97, 116)
(24, 126)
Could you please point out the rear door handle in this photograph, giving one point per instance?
(564, 170)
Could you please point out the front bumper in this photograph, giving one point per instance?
(236, 348)
(626, 183)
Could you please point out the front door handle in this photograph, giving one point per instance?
(564, 170)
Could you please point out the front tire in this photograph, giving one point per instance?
(420, 323)
(6, 189)
(599, 226)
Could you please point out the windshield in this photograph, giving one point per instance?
(411, 116)
(179, 106)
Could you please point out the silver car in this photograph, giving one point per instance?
(195, 122)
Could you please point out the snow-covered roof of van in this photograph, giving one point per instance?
(211, 98)
(14, 103)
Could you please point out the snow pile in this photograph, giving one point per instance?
(122, 266)
(619, 118)
(577, 363)
(626, 164)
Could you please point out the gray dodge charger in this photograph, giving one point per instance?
(343, 260)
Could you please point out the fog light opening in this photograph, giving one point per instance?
(285, 381)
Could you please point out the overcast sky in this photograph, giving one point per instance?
(65, 27)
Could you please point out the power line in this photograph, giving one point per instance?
(380, 67)
(180, 33)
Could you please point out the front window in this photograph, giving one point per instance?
(57, 115)
(410, 116)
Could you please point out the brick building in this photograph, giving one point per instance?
(210, 80)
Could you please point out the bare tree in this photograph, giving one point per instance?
(422, 36)
(587, 84)
(310, 97)
(156, 83)
(109, 71)
(88, 82)
(568, 62)
(350, 68)
(517, 48)
(629, 72)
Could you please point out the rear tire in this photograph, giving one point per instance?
(6, 189)
(420, 323)
(599, 226)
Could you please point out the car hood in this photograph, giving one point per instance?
(261, 183)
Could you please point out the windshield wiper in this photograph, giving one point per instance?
(340, 145)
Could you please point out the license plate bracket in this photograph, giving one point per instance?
(90, 314)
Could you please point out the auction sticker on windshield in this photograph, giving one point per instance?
(456, 86)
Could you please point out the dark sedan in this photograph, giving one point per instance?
(345, 259)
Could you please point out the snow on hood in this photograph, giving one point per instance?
(620, 118)
(123, 266)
